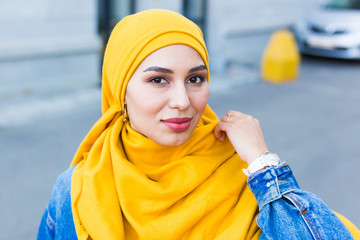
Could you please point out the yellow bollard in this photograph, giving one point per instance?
(281, 58)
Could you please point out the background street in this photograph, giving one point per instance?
(313, 124)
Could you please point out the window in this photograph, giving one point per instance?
(195, 10)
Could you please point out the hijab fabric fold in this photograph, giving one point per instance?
(126, 186)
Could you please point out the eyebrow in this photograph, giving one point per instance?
(166, 70)
(198, 68)
(158, 69)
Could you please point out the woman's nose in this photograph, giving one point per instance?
(179, 98)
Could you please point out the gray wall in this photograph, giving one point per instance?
(174, 5)
(47, 46)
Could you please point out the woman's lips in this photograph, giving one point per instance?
(177, 124)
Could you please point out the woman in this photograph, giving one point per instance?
(159, 165)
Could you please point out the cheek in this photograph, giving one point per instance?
(200, 100)
(142, 104)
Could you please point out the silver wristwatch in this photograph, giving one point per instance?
(268, 159)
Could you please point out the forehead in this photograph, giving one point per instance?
(173, 55)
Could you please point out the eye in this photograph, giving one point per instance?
(158, 80)
(196, 80)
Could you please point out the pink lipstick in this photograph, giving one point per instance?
(177, 124)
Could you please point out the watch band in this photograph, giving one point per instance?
(266, 160)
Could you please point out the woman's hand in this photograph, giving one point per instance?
(244, 133)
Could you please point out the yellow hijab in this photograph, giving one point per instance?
(126, 186)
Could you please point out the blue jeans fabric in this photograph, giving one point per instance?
(286, 211)
(57, 221)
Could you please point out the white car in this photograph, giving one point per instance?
(331, 30)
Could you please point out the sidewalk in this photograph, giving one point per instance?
(21, 110)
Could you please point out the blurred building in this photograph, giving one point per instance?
(47, 46)
(50, 46)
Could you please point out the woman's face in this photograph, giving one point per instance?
(167, 94)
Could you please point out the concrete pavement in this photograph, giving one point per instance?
(313, 124)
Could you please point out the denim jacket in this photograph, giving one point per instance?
(286, 212)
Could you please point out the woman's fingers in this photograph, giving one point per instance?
(245, 134)
(222, 127)
(220, 132)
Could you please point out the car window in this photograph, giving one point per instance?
(343, 4)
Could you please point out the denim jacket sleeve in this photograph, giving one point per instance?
(287, 212)
(57, 221)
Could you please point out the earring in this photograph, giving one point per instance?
(124, 112)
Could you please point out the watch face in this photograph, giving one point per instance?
(272, 159)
